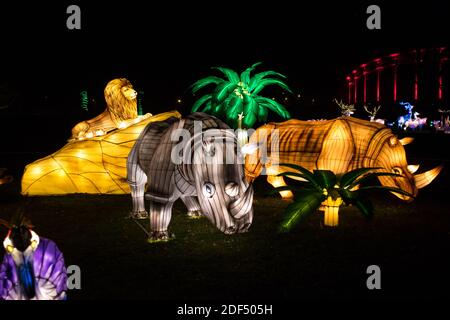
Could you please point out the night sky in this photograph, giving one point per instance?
(163, 48)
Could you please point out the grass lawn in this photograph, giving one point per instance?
(410, 243)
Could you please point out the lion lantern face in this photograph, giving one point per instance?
(129, 92)
(121, 111)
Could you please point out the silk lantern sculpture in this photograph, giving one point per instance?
(195, 159)
(338, 145)
(238, 98)
(328, 191)
(94, 160)
(121, 111)
(33, 267)
(94, 165)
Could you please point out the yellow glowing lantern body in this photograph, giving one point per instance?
(331, 211)
(94, 165)
(330, 207)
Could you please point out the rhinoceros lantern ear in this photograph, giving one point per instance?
(209, 148)
(406, 140)
(393, 141)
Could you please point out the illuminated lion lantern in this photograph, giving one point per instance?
(120, 112)
(339, 145)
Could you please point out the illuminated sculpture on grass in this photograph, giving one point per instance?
(373, 113)
(324, 188)
(411, 120)
(121, 111)
(33, 267)
(407, 117)
(194, 159)
(346, 109)
(93, 165)
(444, 123)
(237, 98)
(339, 145)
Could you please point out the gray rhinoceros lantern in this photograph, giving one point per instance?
(196, 159)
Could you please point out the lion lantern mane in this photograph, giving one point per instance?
(121, 107)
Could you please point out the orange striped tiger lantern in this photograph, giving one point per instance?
(339, 145)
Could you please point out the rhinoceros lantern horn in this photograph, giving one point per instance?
(232, 189)
(423, 179)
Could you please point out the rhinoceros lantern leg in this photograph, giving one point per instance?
(245, 222)
(136, 179)
(193, 206)
(160, 215)
(279, 182)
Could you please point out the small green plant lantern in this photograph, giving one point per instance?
(324, 188)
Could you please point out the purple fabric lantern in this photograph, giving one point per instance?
(37, 273)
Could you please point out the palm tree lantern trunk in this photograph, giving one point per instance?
(242, 134)
(331, 217)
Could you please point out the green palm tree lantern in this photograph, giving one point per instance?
(324, 188)
(237, 98)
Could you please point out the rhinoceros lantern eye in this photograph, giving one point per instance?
(208, 190)
(397, 170)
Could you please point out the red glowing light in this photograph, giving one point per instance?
(378, 86)
(348, 78)
(416, 88)
(394, 55)
(365, 89)
(349, 93)
(440, 88)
